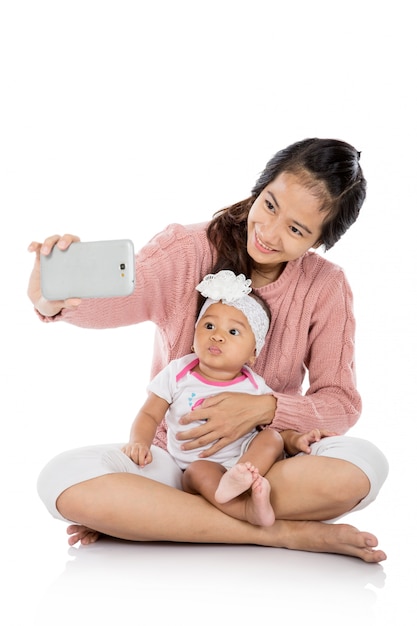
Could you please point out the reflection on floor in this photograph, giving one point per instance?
(114, 580)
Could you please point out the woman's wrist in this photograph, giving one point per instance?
(267, 415)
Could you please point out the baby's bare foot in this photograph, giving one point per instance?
(235, 481)
(259, 510)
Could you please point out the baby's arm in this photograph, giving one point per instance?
(143, 430)
(295, 442)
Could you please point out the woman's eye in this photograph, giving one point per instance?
(269, 205)
(234, 331)
(296, 231)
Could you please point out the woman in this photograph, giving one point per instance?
(308, 196)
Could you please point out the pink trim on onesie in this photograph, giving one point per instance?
(226, 383)
(216, 383)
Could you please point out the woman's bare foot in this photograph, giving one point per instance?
(259, 510)
(235, 481)
(341, 539)
(81, 534)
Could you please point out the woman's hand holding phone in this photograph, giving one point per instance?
(49, 308)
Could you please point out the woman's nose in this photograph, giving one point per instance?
(272, 232)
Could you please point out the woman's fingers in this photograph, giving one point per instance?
(47, 307)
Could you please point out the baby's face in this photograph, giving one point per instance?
(224, 339)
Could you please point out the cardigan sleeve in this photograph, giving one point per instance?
(332, 401)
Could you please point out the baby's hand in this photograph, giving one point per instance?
(139, 453)
(303, 441)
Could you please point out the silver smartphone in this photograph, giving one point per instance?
(93, 269)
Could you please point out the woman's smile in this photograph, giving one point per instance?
(262, 246)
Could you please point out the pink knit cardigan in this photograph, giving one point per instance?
(312, 327)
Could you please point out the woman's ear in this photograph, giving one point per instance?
(317, 244)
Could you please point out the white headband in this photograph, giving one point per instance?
(233, 290)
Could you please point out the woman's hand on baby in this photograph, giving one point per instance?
(49, 308)
(139, 453)
(227, 416)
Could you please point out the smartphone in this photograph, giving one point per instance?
(93, 269)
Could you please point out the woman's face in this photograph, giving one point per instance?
(284, 222)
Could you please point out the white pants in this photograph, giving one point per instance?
(81, 464)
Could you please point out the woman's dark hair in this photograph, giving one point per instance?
(328, 167)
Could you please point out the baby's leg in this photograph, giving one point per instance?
(264, 450)
(203, 477)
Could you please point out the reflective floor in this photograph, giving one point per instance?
(188, 584)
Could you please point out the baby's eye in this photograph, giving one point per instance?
(209, 325)
(234, 331)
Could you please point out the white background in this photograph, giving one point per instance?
(117, 118)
